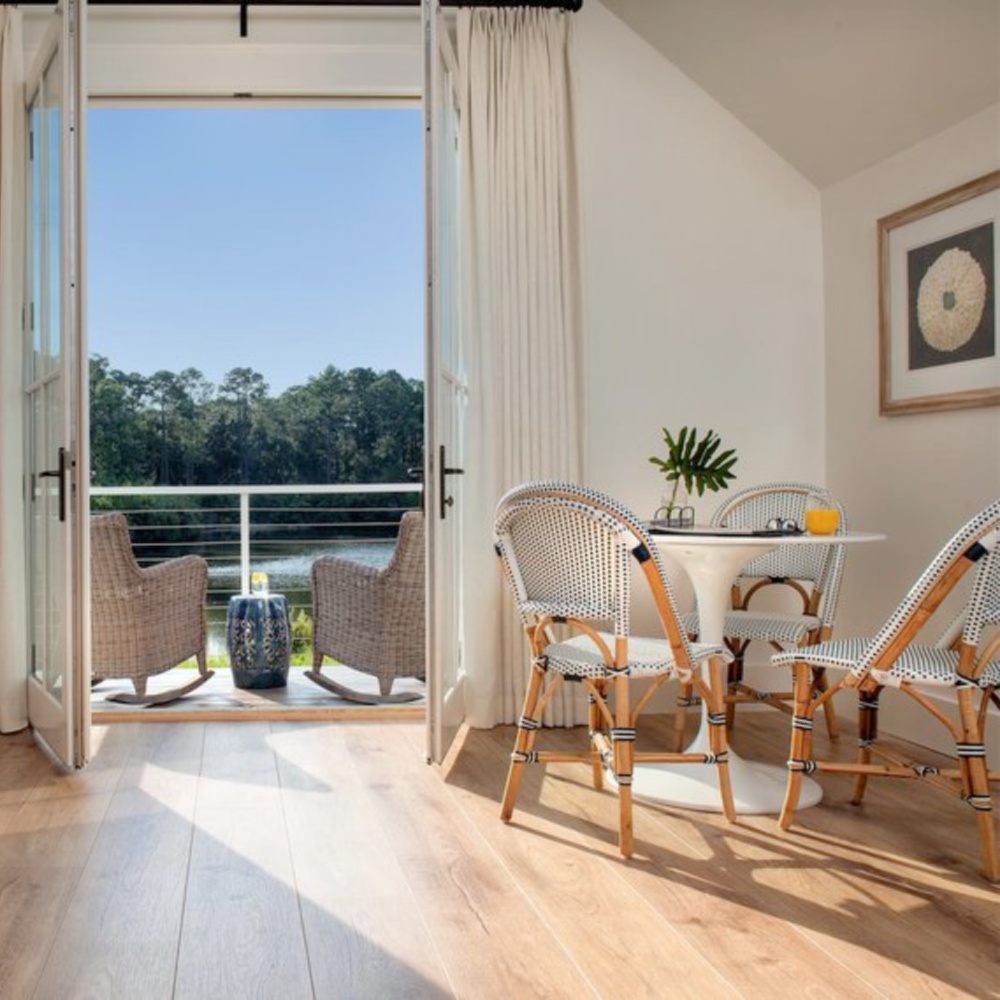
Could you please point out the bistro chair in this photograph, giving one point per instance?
(965, 658)
(143, 620)
(372, 619)
(566, 552)
(809, 574)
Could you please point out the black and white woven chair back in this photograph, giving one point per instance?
(821, 565)
(567, 551)
(978, 542)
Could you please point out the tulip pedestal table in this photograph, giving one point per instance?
(712, 559)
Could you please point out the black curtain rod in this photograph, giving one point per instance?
(568, 5)
(243, 6)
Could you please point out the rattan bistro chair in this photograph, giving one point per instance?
(810, 574)
(566, 552)
(965, 658)
(372, 619)
(143, 620)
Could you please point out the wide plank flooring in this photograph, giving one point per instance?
(326, 859)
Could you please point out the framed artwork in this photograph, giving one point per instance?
(938, 259)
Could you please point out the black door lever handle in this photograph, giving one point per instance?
(445, 470)
(59, 474)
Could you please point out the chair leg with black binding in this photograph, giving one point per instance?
(685, 699)
(800, 755)
(527, 726)
(623, 745)
(718, 734)
(976, 780)
(867, 735)
(594, 719)
(820, 685)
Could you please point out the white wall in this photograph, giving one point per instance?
(722, 289)
(702, 276)
(917, 477)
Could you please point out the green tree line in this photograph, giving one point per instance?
(180, 429)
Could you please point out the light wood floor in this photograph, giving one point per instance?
(316, 859)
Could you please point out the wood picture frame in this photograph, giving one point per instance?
(938, 259)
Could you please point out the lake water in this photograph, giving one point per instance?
(288, 575)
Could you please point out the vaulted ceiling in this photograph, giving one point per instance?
(833, 86)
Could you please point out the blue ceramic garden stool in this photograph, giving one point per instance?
(257, 635)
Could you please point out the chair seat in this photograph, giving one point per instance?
(762, 626)
(580, 657)
(925, 665)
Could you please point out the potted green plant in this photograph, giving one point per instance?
(697, 465)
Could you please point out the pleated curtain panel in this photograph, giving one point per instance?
(13, 639)
(521, 308)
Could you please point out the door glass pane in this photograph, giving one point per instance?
(35, 237)
(55, 554)
(45, 425)
(51, 89)
(36, 527)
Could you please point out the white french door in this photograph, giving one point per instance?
(447, 392)
(55, 369)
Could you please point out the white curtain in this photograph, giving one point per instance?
(522, 312)
(13, 635)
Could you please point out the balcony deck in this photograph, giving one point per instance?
(220, 700)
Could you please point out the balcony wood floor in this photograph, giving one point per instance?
(327, 860)
(219, 700)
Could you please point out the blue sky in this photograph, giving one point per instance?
(280, 239)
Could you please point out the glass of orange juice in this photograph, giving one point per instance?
(821, 516)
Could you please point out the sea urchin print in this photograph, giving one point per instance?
(951, 300)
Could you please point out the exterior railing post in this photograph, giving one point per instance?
(244, 541)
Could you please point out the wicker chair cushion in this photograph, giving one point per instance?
(923, 665)
(580, 657)
(765, 626)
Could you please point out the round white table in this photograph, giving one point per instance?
(712, 559)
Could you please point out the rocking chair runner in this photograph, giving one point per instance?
(143, 621)
(566, 552)
(965, 658)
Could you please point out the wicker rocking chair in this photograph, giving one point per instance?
(143, 621)
(966, 659)
(372, 620)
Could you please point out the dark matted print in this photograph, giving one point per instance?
(937, 307)
(951, 299)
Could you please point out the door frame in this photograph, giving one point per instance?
(63, 725)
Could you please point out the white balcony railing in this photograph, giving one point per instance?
(277, 530)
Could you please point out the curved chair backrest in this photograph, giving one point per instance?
(566, 551)
(113, 566)
(406, 567)
(821, 565)
(975, 544)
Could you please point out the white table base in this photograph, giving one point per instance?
(712, 563)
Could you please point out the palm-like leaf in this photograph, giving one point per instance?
(696, 462)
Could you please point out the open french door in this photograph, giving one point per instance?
(447, 394)
(55, 371)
